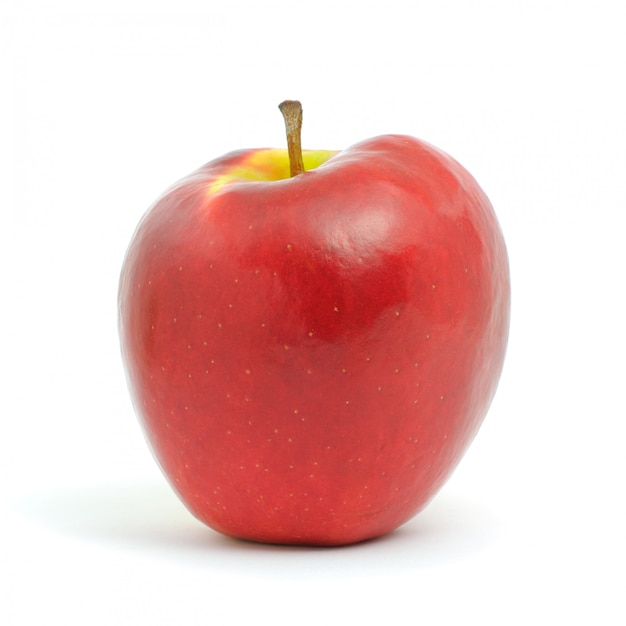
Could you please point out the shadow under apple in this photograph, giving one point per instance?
(150, 519)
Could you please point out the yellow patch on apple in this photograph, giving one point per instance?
(267, 165)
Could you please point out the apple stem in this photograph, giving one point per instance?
(292, 112)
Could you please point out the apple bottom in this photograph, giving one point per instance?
(299, 476)
(269, 504)
(304, 511)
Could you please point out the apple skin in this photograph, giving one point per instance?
(311, 356)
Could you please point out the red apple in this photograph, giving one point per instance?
(311, 355)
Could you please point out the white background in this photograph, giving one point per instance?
(104, 104)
